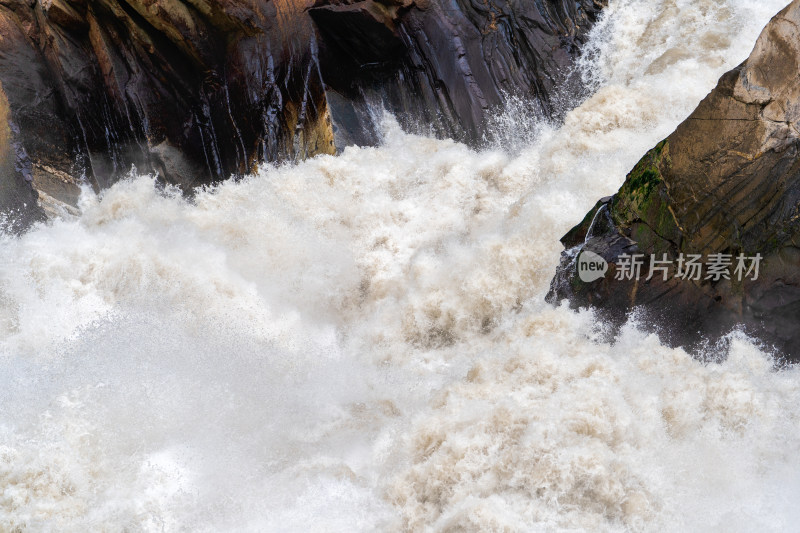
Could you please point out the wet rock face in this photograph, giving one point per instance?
(445, 64)
(17, 196)
(198, 90)
(727, 182)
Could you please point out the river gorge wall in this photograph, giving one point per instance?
(199, 90)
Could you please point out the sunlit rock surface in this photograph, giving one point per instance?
(727, 181)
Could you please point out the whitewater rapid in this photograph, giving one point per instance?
(360, 342)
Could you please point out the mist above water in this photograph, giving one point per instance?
(360, 342)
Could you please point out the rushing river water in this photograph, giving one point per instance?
(360, 343)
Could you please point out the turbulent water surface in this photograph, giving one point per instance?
(360, 342)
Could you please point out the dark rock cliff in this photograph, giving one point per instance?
(198, 90)
(725, 186)
(445, 63)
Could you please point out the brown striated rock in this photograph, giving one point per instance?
(195, 90)
(199, 90)
(727, 181)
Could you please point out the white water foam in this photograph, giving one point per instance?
(360, 343)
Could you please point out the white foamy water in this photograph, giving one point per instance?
(360, 343)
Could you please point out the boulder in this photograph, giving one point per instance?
(722, 191)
